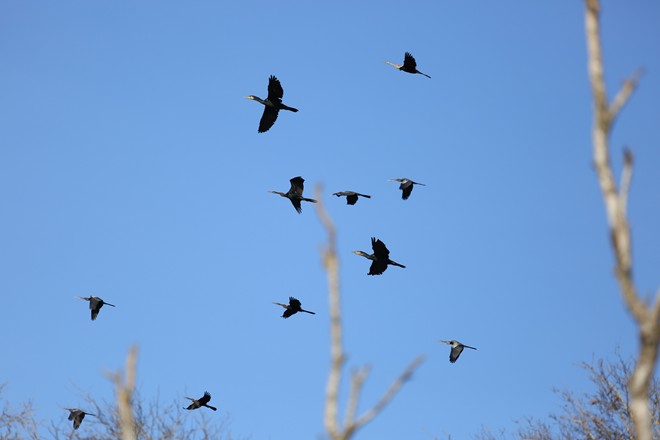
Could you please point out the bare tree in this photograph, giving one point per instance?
(18, 423)
(647, 315)
(149, 420)
(336, 430)
(601, 414)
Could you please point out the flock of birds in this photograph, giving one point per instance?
(380, 258)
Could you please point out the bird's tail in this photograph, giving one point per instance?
(308, 200)
(394, 263)
(211, 407)
(364, 195)
(423, 74)
(307, 311)
(291, 109)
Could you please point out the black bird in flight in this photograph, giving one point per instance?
(351, 197)
(406, 186)
(409, 65)
(379, 259)
(456, 349)
(95, 304)
(202, 401)
(77, 416)
(293, 307)
(295, 193)
(273, 104)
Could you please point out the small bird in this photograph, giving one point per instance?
(294, 194)
(95, 304)
(293, 308)
(409, 65)
(456, 349)
(202, 401)
(273, 104)
(351, 197)
(406, 186)
(379, 259)
(77, 416)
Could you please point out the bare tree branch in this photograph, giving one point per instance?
(331, 419)
(124, 391)
(616, 206)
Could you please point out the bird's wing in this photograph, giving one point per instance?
(275, 91)
(94, 302)
(297, 185)
(455, 353)
(293, 302)
(351, 199)
(268, 118)
(380, 250)
(206, 398)
(408, 63)
(296, 204)
(406, 190)
(288, 312)
(78, 419)
(378, 267)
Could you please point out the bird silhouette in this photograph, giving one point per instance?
(95, 304)
(351, 197)
(295, 193)
(456, 349)
(272, 104)
(406, 186)
(202, 401)
(77, 416)
(409, 65)
(293, 307)
(380, 259)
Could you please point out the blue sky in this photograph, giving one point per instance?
(131, 168)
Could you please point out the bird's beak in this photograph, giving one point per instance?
(446, 342)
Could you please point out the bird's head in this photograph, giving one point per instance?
(446, 342)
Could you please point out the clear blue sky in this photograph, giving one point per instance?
(131, 168)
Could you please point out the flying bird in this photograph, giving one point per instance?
(379, 259)
(95, 304)
(409, 65)
(293, 307)
(456, 349)
(351, 197)
(202, 401)
(406, 186)
(273, 104)
(77, 416)
(295, 193)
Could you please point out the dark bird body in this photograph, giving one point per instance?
(202, 401)
(456, 349)
(380, 259)
(409, 65)
(77, 416)
(95, 304)
(293, 307)
(273, 104)
(406, 186)
(351, 197)
(295, 193)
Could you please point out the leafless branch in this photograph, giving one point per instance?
(331, 419)
(616, 201)
(124, 391)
